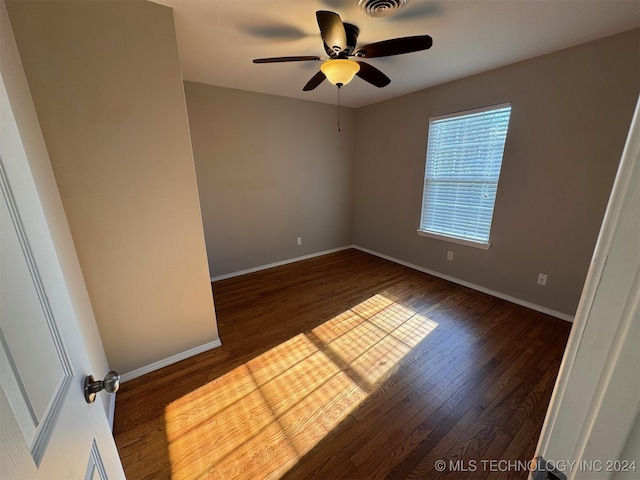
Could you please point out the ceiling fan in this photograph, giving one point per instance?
(340, 41)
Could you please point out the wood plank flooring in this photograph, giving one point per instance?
(348, 366)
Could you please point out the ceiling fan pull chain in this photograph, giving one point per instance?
(338, 108)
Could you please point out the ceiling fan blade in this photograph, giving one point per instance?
(285, 59)
(332, 30)
(395, 46)
(316, 80)
(372, 75)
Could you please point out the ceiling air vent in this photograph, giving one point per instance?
(381, 8)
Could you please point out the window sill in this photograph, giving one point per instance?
(461, 241)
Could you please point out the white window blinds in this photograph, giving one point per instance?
(464, 156)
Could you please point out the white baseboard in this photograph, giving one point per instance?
(168, 361)
(493, 293)
(277, 264)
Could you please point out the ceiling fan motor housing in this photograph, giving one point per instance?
(381, 8)
(352, 33)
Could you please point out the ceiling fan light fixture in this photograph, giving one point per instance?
(339, 71)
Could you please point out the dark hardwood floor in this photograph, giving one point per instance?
(347, 366)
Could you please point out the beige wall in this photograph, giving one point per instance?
(571, 111)
(26, 120)
(108, 92)
(270, 169)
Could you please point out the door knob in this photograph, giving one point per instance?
(110, 384)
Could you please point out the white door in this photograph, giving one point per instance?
(592, 428)
(47, 429)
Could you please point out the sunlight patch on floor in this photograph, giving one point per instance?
(269, 412)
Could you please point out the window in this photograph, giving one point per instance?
(464, 156)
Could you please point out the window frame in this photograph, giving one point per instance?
(443, 236)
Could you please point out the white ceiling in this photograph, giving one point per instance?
(217, 40)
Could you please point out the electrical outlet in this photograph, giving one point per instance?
(450, 255)
(299, 240)
(542, 279)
